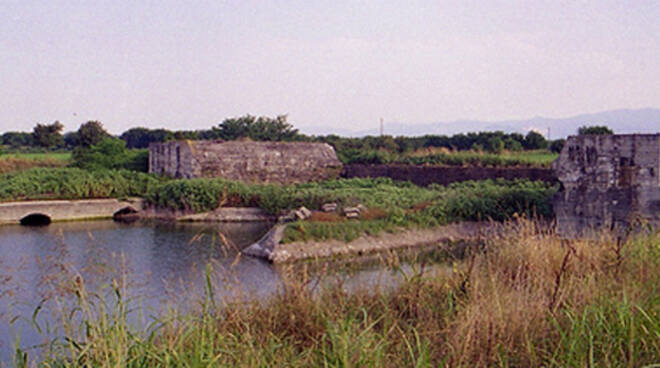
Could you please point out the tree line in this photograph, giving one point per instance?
(50, 137)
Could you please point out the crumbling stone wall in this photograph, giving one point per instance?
(270, 162)
(608, 181)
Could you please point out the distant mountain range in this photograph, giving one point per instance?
(622, 121)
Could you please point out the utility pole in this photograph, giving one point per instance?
(382, 127)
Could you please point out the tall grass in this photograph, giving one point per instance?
(392, 205)
(527, 298)
(15, 162)
(72, 183)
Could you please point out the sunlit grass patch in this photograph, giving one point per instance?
(22, 161)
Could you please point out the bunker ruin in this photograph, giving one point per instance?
(608, 181)
(257, 162)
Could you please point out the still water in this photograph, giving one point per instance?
(159, 265)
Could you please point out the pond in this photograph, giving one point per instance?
(160, 265)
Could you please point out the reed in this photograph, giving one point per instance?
(526, 298)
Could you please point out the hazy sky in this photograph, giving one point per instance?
(343, 64)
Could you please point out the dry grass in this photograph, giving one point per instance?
(373, 214)
(326, 217)
(527, 298)
(428, 151)
(9, 163)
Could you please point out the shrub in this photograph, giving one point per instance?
(111, 153)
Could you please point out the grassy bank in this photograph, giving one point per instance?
(527, 299)
(72, 183)
(390, 205)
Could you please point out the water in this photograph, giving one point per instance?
(158, 264)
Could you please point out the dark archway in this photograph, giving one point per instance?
(36, 219)
(126, 214)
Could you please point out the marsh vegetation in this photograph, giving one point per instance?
(524, 298)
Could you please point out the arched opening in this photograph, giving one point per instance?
(126, 214)
(36, 219)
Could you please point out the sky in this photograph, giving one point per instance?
(334, 64)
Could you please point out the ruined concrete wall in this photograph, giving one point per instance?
(608, 181)
(425, 175)
(270, 162)
(174, 159)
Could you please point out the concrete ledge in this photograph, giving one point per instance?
(67, 210)
(270, 248)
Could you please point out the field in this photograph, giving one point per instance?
(55, 156)
(445, 157)
(21, 161)
(524, 299)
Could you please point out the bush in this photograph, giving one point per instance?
(111, 153)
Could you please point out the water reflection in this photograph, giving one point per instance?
(159, 265)
(155, 262)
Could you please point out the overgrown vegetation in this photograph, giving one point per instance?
(391, 204)
(73, 183)
(527, 299)
(537, 158)
(111, 153)
(496, 200)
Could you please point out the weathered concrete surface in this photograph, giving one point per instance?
(266, 246)
(270, 248)
(425, 175)
(608, 181)
(62, 210)
(275, 162)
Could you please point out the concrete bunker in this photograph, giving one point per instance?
(608, 182)
(261, 162)
(35, 219)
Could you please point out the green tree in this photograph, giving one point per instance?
(141, 137)
(534, 140)
(512, 144)
(557, 145)
(110, 153)
(48, 136)
(257, 128)
(17, 139)
(91, 133)
(595, 129)
(494, 144)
